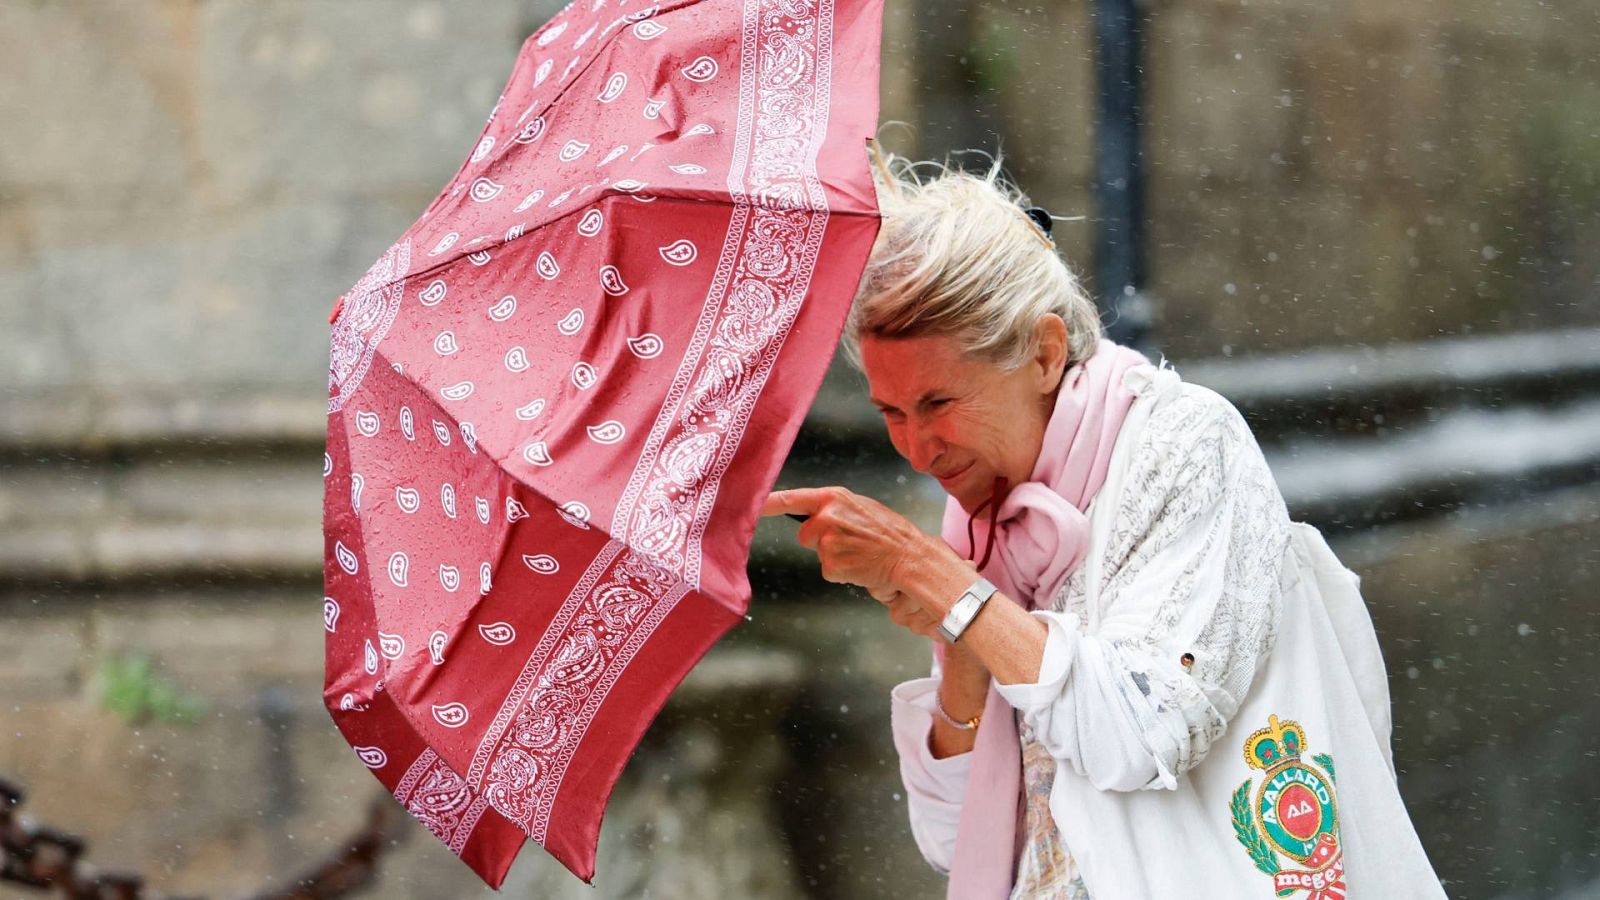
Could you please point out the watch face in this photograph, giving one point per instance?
(961, 614)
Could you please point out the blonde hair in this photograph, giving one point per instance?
(957, 256)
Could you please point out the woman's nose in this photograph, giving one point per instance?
(925, 447)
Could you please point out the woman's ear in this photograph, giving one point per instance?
(1050, 351)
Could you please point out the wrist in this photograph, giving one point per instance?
(964, 723)
(935, 578)
(961, 663)
(962, 692)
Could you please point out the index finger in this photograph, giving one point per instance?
(795, 501)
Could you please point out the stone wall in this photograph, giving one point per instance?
(1318, 173)
(187, 184)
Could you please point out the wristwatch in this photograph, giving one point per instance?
(966, 609)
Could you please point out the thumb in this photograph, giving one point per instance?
(884, 595)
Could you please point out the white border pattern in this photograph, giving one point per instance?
(762, 276)
(440, 799)
(365, 314)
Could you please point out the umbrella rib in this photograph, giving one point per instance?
(562, 92)
(505, 148)
(675, 195)
(499, 460)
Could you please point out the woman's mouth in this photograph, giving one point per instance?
(946, 479)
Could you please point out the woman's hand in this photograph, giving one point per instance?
(909, 614)
(917, 576)
(860, 541)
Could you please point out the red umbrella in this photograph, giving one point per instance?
(558, 401)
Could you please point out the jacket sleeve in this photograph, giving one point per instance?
(934, 787)
(1191, 571)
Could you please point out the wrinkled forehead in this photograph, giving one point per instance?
(902, 370)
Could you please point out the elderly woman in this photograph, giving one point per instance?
(1147, 681)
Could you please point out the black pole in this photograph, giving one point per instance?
(1119, 172)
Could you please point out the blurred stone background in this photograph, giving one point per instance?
(1372, 225)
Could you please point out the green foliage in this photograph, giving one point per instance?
(993, 60)
(133, 689)
(1326, 762)
(1244, 828)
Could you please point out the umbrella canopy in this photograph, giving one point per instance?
(558, 400)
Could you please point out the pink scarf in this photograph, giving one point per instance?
(1043, 534)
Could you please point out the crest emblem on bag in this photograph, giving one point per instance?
(1291, 827)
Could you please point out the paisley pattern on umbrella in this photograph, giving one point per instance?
(591, 345)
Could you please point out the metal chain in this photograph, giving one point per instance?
(46, 858)
(52, 860)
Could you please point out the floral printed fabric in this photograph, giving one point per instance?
(1045, 870)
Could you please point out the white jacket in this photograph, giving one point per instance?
(1192, 552)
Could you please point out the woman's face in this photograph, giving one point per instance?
(960, 418)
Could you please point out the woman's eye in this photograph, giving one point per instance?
(940, 403)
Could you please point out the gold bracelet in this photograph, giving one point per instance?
(969, 725)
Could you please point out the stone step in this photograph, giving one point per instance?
(193, 516)
(1305, 392)
(201, 486)
(1460, 457)
(1346, 389)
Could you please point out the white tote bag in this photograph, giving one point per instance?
(1298, 799)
